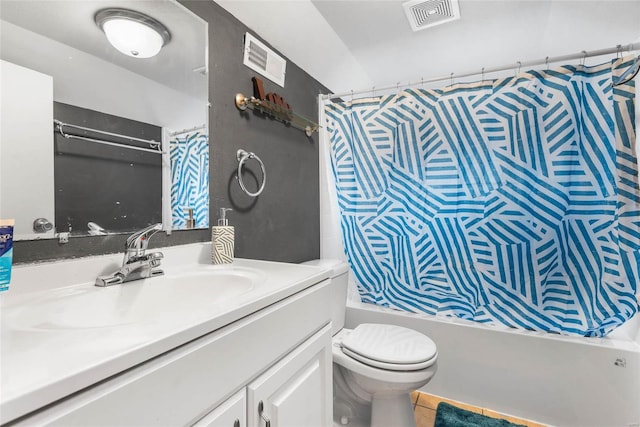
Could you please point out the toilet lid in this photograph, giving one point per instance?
(390, 347)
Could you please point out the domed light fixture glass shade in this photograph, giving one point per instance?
(133, 33)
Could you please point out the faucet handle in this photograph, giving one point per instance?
(139, 240)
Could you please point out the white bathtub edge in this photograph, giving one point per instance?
(551, 379)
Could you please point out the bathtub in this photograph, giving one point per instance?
(551, 379)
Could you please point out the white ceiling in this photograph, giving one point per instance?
(355, 44)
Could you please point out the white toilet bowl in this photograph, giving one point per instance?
(382, 371)
(376, 366)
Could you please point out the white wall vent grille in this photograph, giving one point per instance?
(263, 60)
(428, 13)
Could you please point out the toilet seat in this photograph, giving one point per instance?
(389, 366)
(390, 347)
(393, 378)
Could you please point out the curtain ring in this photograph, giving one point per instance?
(519, 66)
(373, 91)
(422, 81)
(482, 75)
(242, 156)
(546, 62)
(584, 57)
(351, 95)
(451, 79)
(619, 51)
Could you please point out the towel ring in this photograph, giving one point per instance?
(242, 157)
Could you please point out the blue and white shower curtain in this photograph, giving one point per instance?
(511, 201)
(189, 154)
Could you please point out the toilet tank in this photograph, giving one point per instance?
(339, 283)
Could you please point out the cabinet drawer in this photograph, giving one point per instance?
(179, 387)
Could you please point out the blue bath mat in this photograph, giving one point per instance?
(452, 416)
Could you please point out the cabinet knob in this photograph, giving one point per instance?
(263, 415)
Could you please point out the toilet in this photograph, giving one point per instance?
(375, 366)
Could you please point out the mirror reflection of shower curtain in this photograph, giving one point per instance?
(512, 202)
(189, 154)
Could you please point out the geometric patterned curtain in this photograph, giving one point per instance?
(189, 154)
(512, 201)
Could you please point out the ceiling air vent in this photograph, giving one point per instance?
(263, 60)
(428, 13)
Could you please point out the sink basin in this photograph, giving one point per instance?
(87, 306)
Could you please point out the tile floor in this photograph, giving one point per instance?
(425, 405)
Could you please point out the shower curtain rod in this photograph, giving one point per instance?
(519, 64)
(193, 129)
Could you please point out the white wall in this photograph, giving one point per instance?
(488, 33)
(26, 147)
(86, 81)
(299, 31)
(355, 45)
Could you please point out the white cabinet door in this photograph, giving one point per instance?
(232, 413)
(297, 390)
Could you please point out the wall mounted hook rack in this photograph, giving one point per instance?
(278, 112)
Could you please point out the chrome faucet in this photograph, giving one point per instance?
(137, 263)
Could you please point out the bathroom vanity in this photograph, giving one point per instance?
(204, 345)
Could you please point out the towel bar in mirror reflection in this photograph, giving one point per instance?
(104, 137)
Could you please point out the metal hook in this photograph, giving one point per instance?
(351, 95)
(546, 62)
(482, 75)
(398, 87)
(584, 57)
(451, 79)
(619, 51)
(519, 66)
(373, 91)
(422, 81)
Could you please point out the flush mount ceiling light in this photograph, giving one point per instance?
(133, 33)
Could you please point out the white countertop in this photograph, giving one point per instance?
(39, 365)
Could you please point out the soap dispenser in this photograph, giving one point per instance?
(222, 240)
(191, 221)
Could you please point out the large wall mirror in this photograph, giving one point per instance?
(94, 141)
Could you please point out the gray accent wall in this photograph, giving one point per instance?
(283, 223)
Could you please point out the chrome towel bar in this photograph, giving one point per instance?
(155, 146)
